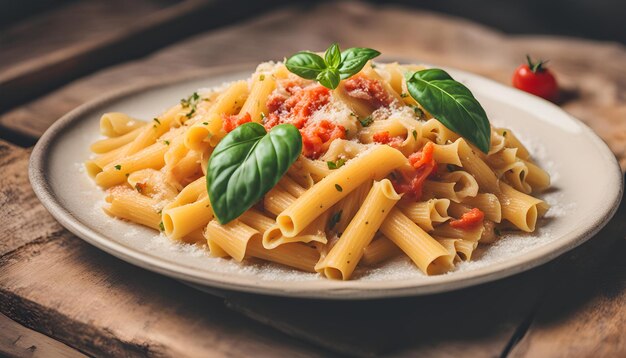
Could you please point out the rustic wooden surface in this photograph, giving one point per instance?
(54, 283)
(17, 340)
(84, 36)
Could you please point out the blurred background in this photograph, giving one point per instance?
(594, 19)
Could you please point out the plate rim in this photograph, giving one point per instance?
(38, 169)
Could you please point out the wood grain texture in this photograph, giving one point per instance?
(87, 36)
(23, 218)
(19, 341)
(475, 322)
(68, 26)
(591, 73)
(79, 37)
(583, 314)
(61, 286)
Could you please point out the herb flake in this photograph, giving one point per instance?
(334, 219)
(336, 164)
(367, 121)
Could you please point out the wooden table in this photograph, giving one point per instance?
(60, 296)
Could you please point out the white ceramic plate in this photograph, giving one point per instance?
(587, 188)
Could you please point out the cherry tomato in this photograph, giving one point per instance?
(535, 78)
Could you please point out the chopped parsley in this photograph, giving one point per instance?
(205, 123)
(336, 164)
(191, 113)
(167, 142)
(156, 120)
(262, 77)
(334, 219)
(118, 167)
(338, 187)
(190, 102)
(414, 134)
(161, 227)
(367, 121)
(404, 95)
(504, 133)
(418, 112)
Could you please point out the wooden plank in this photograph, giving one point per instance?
(584, 313)
(67, 289)
(590, 72)
(115, 32)
(22, 214)
(19, 341)
(32, 64)
(67, 26)
(475, 322)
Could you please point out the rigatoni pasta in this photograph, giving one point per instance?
(378, 177)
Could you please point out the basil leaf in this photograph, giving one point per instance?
(329, 78)
(353, 60)
(452, 104)
(246, 164)
(306, 64)
(332, 57)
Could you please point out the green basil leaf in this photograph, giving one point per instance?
(306, 64)
(333, 56)
(452, 104)
(329, 78)
(353, 60)
(246, 164)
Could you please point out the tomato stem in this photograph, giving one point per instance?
(536, 67)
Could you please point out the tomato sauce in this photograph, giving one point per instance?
(317, 138)
(423, 165)
(369, 90)
(232, 121)
(297, 109)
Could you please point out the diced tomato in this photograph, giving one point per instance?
(469, 220)
(381, 137)
(424, 166)
(230, 122)
(317, 137)
(369, 90)
(298, 108)
(423, 157)
(385, 138)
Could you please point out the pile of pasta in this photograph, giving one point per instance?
(341, 204)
